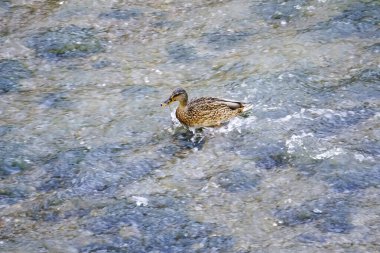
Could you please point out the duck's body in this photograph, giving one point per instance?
(205, 111)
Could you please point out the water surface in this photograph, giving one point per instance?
(89, 161)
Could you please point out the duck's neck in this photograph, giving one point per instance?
(181, 112)
(183, 103)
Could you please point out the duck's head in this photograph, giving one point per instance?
(178, 94)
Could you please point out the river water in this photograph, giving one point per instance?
(90, 162)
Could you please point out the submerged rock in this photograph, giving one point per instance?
(66, 42)
(221, 40)
(12, 166)
(62, 169)
(370, 147)
(274, 11)
(186, 139)
(181, 53)
(138, 91)
(139, 169)
(5, 129)
(366, 75)
(11, 194)
(360, 19)
(12, 158)
(333, 123)
(328, 215)
(81, 171)
(11, 71)
(5, 4)
(375, 48)
(237, 181)
(310, 238)
(266, 156)
(55, 100)
(122, 14)
(140, 229)
(101, 64)
(354, 180)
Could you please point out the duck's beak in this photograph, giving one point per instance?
(167, 102)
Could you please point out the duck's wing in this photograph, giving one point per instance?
(233, 105)
(216, 102)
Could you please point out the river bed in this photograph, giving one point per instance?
(90, 162)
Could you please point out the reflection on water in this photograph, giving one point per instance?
(90, 162)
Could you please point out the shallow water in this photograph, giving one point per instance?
(89, 161)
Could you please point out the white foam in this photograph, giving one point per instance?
(140, 201)
(329, 153)
(361, 158)
(296, 141)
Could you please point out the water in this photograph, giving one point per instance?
(90, 162)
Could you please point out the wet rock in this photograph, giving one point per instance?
(232, 68)
(186, 139)
(354, 180)
(266, 156)
(181, 53)
(55, 100)
(237, 181)
(332, 123)
(333, 215)
(123, 14)
(66, 42)
(296, 216)
(83, 172)
(11, 71)
(106, 247)
(76, 213)
(221, 40)
(277, 11)
(4, 130)
(138, 91)
(5, 4)
(162, 22)
(366, 75)
(162, 202)
(169, 150)
(113, 149)
(59, 246)
(140, 169)
(146, 233)
(10, 194)
(166, 24)
(360, 19)
(182, 144)
(101, 64)
(12, 159)
(362, 85)
(12, 166)
(62, 169)
(375, 48)
(7, 85)
(337, 217)
(310, 238)
(39, 212)
(305, 165)
(368, 147)
(71, 170)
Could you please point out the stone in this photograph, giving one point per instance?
(11, 71)
(66, 42)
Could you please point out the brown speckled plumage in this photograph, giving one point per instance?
(205, 111)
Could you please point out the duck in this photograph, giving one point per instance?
(204, 111)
